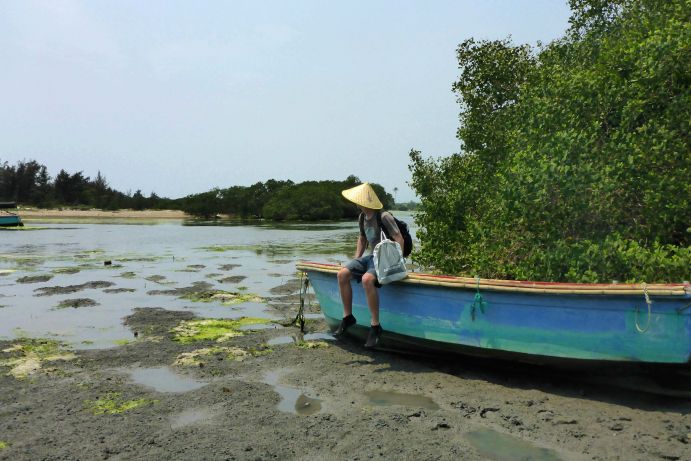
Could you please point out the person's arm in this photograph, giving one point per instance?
(399, 238)
(361, 246)
(393, 229)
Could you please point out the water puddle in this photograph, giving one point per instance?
(388, 398)
(280, 340)
(292, 400)
(315, 316)
(496, 446)
(260, 326)
(191, 416)
(163, 379)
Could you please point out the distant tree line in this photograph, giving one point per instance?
(281, 200)
(28, 183)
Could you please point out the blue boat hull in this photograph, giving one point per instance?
(521, 322)
(10, 221)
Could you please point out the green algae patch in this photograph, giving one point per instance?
(5, 272)
(321, 247)
(27, 356)
(199, 357)
(3, 445)
(66, 270)
(76, 303)
(113, 403)
(156, 278)
(218, 330)
(227, 298)
(312, 345)
(34, 278)
(122, 342)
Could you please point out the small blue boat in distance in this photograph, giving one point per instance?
(8, 218)
(537, 322)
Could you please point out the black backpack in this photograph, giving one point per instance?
(402, 226)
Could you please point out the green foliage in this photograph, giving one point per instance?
(28, 183)
(575, 160)
(281, 200)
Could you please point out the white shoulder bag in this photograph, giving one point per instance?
(388, 261)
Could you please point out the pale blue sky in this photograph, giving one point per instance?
(180, 97)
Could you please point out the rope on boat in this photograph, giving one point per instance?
(649, 303)
(300, 317)
(478, 300)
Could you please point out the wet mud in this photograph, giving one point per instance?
(60, 290)
(77, 303)
(34, 278)
(244, 398)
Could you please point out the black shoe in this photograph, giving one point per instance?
(373, 336)
(346, 323)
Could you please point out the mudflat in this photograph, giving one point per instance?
(96, 213)
(141, 342)
(271, 392)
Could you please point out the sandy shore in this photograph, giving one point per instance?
(29, 213)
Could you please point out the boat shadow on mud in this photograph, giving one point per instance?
(633, 384)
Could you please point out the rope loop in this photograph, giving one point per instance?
(649, 303)
(478, 301)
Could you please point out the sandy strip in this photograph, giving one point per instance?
(95, 213)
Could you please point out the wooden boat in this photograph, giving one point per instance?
(538, 322)
(8, 218)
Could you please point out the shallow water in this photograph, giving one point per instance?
(192, 416)
(495, 446)
(292, 400)
(143, 257)
(164, 379)
(280, 340)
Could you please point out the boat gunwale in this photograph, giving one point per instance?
(521, 286)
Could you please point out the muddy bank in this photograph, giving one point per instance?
(95, 213)
(272, 393)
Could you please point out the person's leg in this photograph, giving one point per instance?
(346, 291)
(368, 283)
(354, 268)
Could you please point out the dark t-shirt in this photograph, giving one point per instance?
(373, 231)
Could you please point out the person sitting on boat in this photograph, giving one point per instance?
(362, 267)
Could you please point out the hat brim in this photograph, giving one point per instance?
(364, 196)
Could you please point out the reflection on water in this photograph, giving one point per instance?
(292, 400)
(163, 379)
(388, 398)
(191, 416)
(493, 445)
(299, 337)
(143, 256)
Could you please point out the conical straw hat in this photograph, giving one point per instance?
(364, 196)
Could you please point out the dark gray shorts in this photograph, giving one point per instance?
(360, 266)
